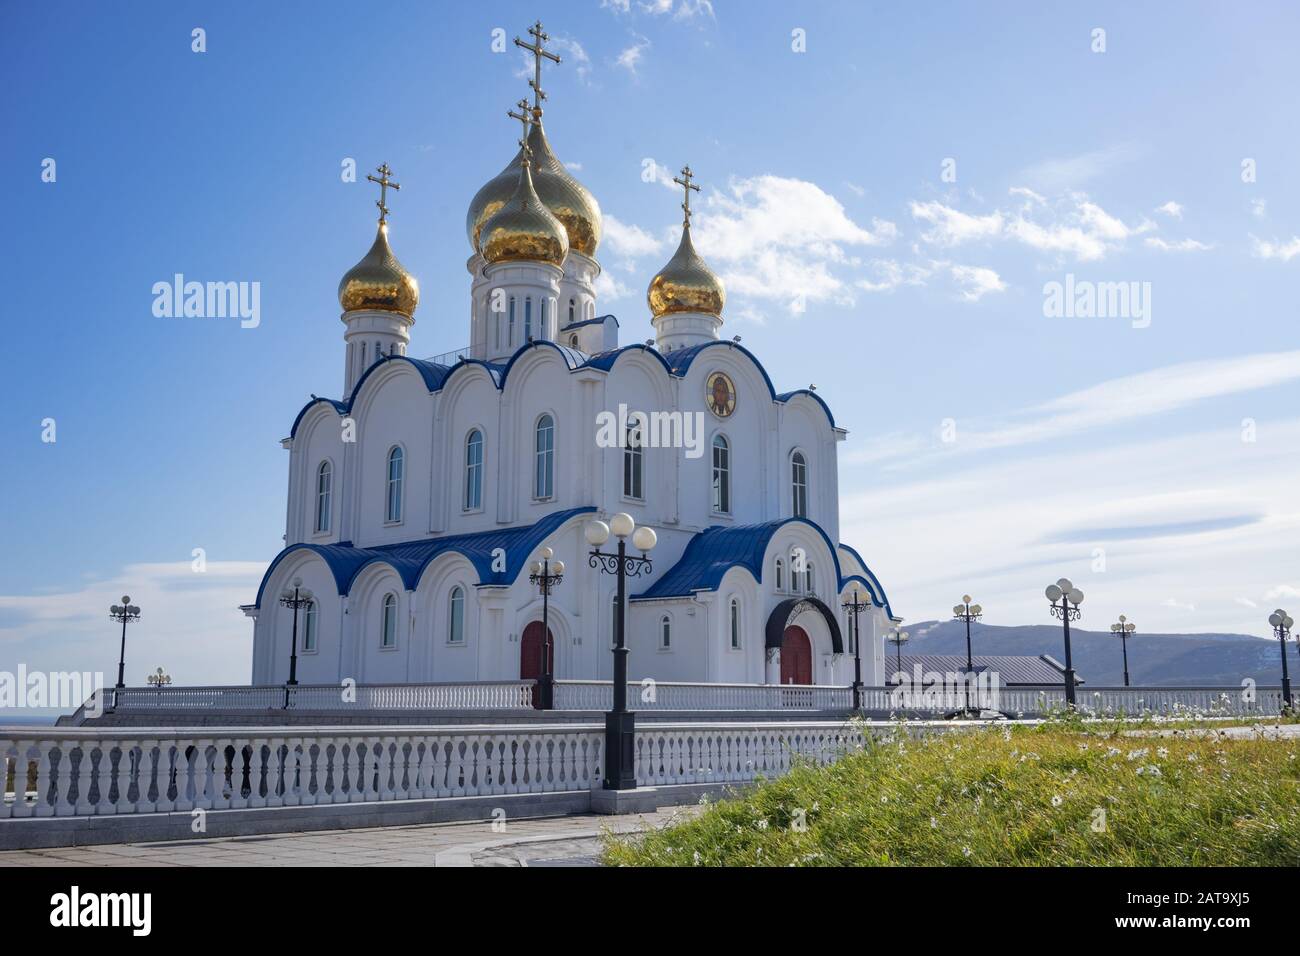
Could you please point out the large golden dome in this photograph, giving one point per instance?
(566, 198)
(523, 228)
(686, 284)
(379, 281)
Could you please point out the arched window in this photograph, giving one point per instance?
(721, 475)
(388, 629)
(474, 470)
(734, 623)
(573, 340)
(309, 627)
(665, 632)
(528, 320)
(379, 351)
(570, 311)
(796, 571)
(808, 579)
(542, 331)
(633, 460)
(510, 323)
(780, 574)
(544, 446)
(456, 616)
(395, 466)
(324, 477)
(799, 484)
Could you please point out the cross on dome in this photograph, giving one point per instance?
(539, 52)
(687, 186)
(526, 120)
(384, 185)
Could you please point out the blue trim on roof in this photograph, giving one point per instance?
(676, 363)
(410, 558)
(598, 320)
(713, 552)
(872, 582)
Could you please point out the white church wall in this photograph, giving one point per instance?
(365, 659)
(393, 409)
(469, 400)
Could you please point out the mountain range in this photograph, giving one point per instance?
(1154, 659)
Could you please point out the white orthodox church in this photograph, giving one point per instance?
(418, 500)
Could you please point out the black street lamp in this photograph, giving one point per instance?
(1282, 624)
(546, 575)
(898, 639)
(1124, 630)
(127, 613)
(1065, 599)
(857, 606)
(965, 611)
(620, 725)
(299, 598)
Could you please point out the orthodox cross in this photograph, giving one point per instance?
(687, 186)
(384, 185)
(537, 49)
(525, 119)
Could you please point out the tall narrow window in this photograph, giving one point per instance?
(456, 616)
(570, 311)
(395, 465)
(528, 320)
(542, 330)
(799, 484)
(510, 323)
(796, 572)
(388, 630)
(633, 461)
(735, 623)
(665, 632)
(474, 470)
(324, 477)
(544, 474)
(309, 627)
(808, 579)
(721, 475)
(780, 574)
(379, 351)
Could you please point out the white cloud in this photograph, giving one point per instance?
(609, 288)
(1056, 175)
(1177, 605)
(1281, 591)
(951, 227)
(573, 53)
(977, 281)
(1171, 209)
(631, 57)
(1178, 245)
(629, 241)
(1286, 251)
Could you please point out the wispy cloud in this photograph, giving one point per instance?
(1071, 172)
(630, 58)
(1176, 245)
(1285, 251)
(1171, 209)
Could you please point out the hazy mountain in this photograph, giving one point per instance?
(1185, 659)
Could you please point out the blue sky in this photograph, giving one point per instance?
(914, 302)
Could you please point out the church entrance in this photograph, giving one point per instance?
(531, 666)
(796, 656)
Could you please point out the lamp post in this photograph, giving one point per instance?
(546, 575)
(1124, 630)
(965, 611)
(857, 606)
(898, 639)
(159, 679)
(297, 598)
(620, 725)
(127, 613)
(1065, 599)
(1282, 624)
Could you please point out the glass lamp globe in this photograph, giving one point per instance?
(115, 609)
(557, 567)
(1065, 584)
(1275, 619)
(535, 567)
(297, 582)
(1075, 596)
(957, 609)
(1053, 593)
(597, 533)
(547, 554)
(645, 539)
(621, 525)
(965, 599)
(126, 599)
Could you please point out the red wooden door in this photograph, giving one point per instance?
(796, 657)
(530, 652)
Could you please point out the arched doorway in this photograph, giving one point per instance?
(796, 656)
(530, 652)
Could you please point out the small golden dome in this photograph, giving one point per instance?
(379, 281)
(566, 198)
(523, 228)
(686, 284)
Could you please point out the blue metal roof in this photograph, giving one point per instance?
(714, 551)
(410, 558)
(676, 363)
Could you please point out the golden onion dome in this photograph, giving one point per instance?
(523, 228)
(686, 284)
(379, 281)
(566, 198)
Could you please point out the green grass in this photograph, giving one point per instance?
(1007, 797)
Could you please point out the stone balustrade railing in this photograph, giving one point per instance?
(669, 754)
(672, 695)
(1210, 701)
(57, 771)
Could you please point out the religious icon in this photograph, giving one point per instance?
(720, 395)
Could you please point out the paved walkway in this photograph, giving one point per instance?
(552, 841)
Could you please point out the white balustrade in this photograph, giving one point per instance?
(468, 695)
(96, 772)
(1187, 702)
(673, 695)
(719, 753)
